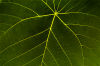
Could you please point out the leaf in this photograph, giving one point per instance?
(49, 32)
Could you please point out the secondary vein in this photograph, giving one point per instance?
(75, 36)
(22, 6)
(48, 39)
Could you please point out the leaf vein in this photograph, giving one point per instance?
(12, 16)
(74, 35)
(48, 39)
(22, 41)
(47, 6)
(85, 25)
(53, 56)
(24, 53)
(32, 60)
(79, 13)
(22, 6)
(65, 5)
(24, 20)
(87, 37)
(62, 48)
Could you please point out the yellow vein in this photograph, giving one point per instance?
(53, 56)
(47, 6)
(74, 35)
(65, 6)
(87, 37)
(85, 26)
(32, 60)
(22, 40)
(26, 19)
(22, 6)
(54, 4)
(62, 48)
(48, 38)
(58, 5)
(79, 13)
(11, 16)
(24, 53)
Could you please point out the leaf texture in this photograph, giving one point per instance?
(49, 32)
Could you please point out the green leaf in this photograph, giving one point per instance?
(49, 32)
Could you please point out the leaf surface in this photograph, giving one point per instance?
(49, 32)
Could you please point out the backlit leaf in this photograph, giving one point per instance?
(49, 32)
